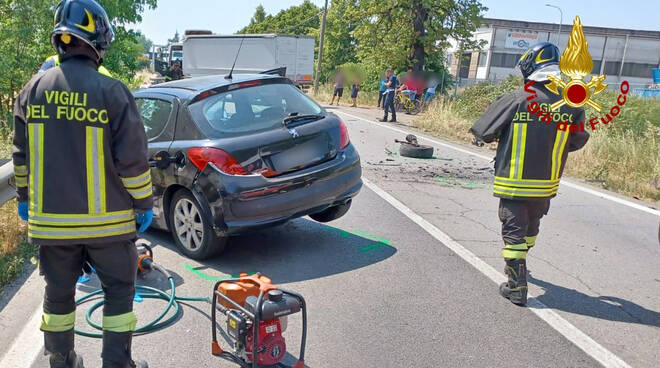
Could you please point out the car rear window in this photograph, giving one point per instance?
(251, 110)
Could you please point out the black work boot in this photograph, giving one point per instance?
(117, 351)
(69, 360)
(383, 120)
(516, 288)
(59, 347)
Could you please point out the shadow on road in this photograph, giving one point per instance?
(604, 307)
(299, 250)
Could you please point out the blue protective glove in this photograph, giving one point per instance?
(144, 220)
(23, 211)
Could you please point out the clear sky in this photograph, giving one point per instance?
(228, 16)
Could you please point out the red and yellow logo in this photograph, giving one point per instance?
(576, 63)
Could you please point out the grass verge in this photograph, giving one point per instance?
(365, 98)
(15, 251)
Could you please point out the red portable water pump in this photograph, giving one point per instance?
(256, 312)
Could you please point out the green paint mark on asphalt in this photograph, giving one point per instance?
(380, 242)
(372, 247)
(214, 279)
(371, 237)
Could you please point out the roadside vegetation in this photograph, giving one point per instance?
(25, 27)
(623, 156)
(15, 251)
(364, 99)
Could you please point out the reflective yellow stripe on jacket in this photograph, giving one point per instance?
(518, 150)
(558, 152)
(36, 153)
(21, 176)
(139, 186)
(516, 185)
(95, 159)
(102, 69)
(98, 222)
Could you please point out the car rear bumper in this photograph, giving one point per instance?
(240, 203)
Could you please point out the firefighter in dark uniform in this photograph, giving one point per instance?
(82, 175)
(531, 155)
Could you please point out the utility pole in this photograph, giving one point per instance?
(318, 63)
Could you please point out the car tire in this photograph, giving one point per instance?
(191, 230)
(331, 213)
(421, 151)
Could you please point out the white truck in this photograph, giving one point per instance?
(205, 54)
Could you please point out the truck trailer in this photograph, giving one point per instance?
(205, 54)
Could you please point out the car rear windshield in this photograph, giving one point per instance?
(251, 110)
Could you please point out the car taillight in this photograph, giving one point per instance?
(201, 156)
(344, 139)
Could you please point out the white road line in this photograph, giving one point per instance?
(565, 328)
(27, 345)
(563, 181)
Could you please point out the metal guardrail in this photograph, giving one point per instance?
(7, 186)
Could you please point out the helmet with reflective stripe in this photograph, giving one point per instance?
(85, 20)
(538, 56)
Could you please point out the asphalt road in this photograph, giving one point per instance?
(383, 291)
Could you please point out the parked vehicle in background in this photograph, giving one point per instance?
(208, 54)
(233, 155)
(163, 57)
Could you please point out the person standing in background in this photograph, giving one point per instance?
(381, 91)
(354, 91)
(392, 84)
(430, 91)
(339, 87)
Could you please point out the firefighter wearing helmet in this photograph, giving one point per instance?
(82, 177)
(531, 157)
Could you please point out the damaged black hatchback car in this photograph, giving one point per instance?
(249, 152)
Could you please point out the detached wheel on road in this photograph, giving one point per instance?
(421, 151)
(191, 230)
(332, 213)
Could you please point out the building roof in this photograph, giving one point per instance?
(552, 27)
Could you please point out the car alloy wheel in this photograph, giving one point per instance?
(191, 229)
(188, 226)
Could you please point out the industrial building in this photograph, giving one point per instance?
(620, 54)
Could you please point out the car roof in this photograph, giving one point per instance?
(199, 84)
(186, 89)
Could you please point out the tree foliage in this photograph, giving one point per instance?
(340, 44)
(25, 27)
(303, 19)
(378, 34)
(404, 33)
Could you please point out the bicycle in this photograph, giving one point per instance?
(402, 102)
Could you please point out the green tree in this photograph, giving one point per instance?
(404, 33)
(25, 27)
(144, 41)
(259, 15)
(303, 19)
(340, 45)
